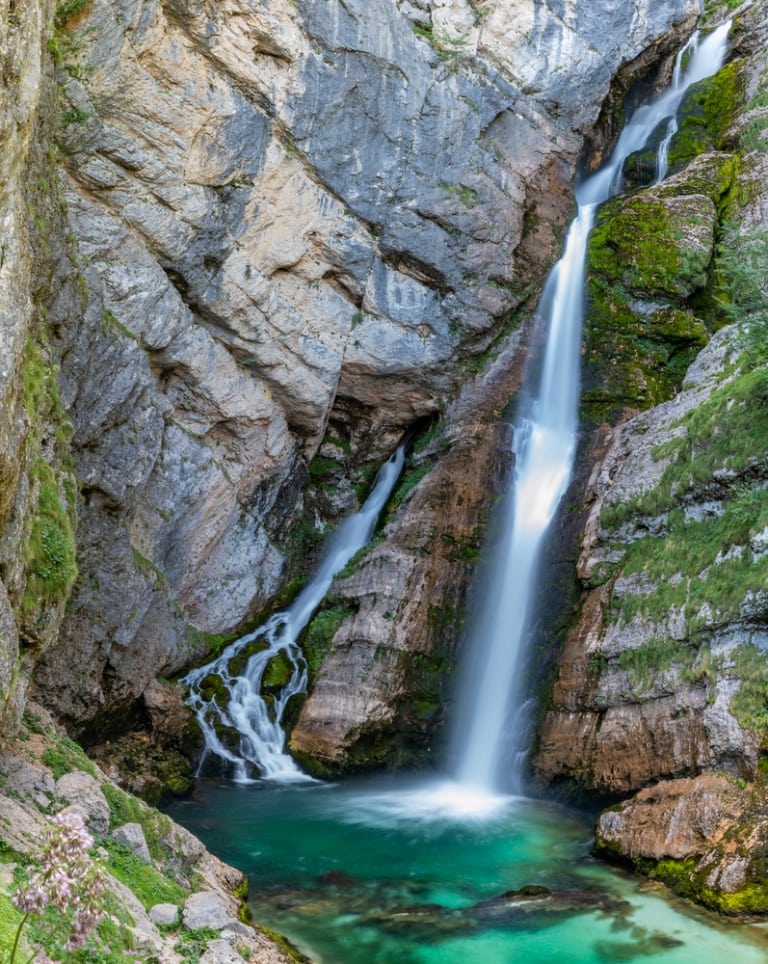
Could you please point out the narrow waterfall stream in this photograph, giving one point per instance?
(491, 726)
(228, 696)
(426, 870)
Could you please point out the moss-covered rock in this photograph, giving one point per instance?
(650, 260)
(706, 113)
(706, 838)
(277, 672)
(654, 247)
(239, 661)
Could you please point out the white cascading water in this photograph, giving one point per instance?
(491, 718)
(261, 748)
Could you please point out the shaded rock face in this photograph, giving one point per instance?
(37, 565)
(286, 217)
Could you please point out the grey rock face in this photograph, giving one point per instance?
(28, 780)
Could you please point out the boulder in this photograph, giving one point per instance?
(82, 792)
(131, 835)
(164, 915)
(206, 909)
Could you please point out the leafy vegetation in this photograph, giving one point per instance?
(150, 886)
(65, 756)
(50, 553)
(192, 944)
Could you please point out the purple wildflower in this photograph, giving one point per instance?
(67, 879)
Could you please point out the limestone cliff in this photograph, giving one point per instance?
(664, 677)
(285, 221)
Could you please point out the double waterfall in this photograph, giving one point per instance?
(492, 724)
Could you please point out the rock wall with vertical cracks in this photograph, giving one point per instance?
(290, 222)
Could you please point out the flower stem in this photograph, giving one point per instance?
(22, 922)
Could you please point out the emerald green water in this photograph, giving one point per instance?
(405, 872)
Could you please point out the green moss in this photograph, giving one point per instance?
(320, 467)
(285, 945)
(318, 636)
(150, 886)
(725, 432)
(752, 899)
(277, 672)
(712, 176)
(213, 685)
(125, 808)
(643, 663)
(692, 568)
(50, 553)
(634, 358)
(638, 243)
(706, 113)
(687, 878)
(191, 945)
(640, 330)
(650, 276)
(409, 481)
(210, 643)
(65, 756)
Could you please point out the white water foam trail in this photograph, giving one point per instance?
(491, 706)
(259, 723)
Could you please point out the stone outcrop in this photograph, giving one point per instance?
(209, 891)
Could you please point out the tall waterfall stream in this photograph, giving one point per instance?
(418, 870)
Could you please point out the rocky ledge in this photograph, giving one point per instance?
(167, 898)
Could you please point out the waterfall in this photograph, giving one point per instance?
(492, 718)
(662, 159)
(229, 698)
